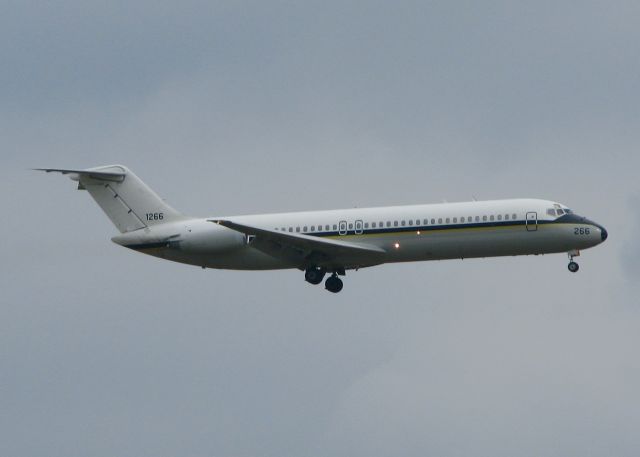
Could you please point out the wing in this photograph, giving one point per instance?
(306, 250)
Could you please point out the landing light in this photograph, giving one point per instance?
(418, 232)
(397, 245)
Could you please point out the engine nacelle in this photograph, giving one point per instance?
(208, 238)
(190, 236)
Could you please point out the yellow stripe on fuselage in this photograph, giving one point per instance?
(458, 230)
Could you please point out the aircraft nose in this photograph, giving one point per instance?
(603, 233)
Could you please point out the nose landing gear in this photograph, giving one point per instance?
(573, 266)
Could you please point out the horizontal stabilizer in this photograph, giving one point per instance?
(92, 174)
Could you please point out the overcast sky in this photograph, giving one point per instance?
(246, 107)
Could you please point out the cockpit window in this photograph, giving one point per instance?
(567, 211)
(560, 212)
(551, 212)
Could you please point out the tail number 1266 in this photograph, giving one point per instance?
(155, 216)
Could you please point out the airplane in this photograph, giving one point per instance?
(335, 241)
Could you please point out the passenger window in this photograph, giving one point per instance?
(448, 220)
(283, 229)
(477, 218)
(484, 218)
(304, 228)
(410, 222)
(426, 222)
(455, 220)
(380, 225)
(335, 226)
(388, 223)
(366, 225)
(291, 229)
(297, 229)
(462, 219)
(433, 221)
(499, 217)
(403, 223)
(326, 227)
(395, 223)
(491, 218)
(514, 216)
(506, 217)
(313, 228)
(439, 220)
(373, 225)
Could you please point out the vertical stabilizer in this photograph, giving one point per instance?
(125, 198)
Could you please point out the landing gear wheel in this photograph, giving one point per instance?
(314, 275)
(573, 267)
(333, 284)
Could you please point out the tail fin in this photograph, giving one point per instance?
(125, 198)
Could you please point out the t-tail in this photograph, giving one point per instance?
(125, 198)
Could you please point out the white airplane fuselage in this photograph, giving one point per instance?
(408, 233)
(321, 242)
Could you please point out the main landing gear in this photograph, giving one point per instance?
(333, 284)
(315, 276)
(573, 266)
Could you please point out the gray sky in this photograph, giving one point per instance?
(243, 107)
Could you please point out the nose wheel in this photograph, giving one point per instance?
(573, 266)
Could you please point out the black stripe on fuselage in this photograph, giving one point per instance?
(566, 219)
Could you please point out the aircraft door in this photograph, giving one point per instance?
(342, 227)
(358, 227)
(532, 221)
